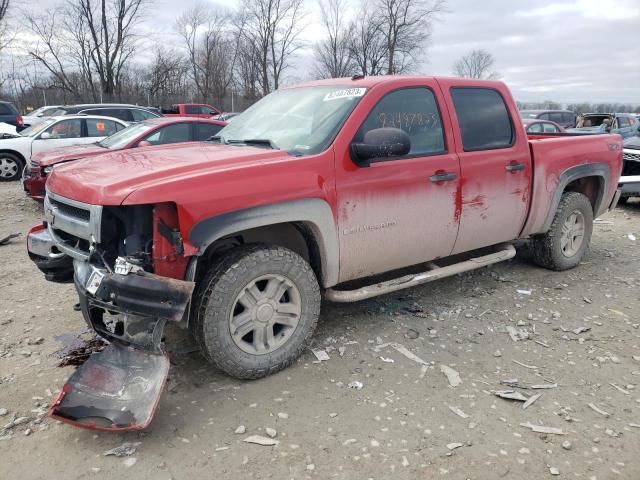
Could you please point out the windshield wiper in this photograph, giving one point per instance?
(215, 138)
(258, 142)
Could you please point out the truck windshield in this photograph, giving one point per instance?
(122, 138)
(302, 121)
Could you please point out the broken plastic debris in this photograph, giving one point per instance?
(597, 409)
(524, 292)
(387, 360)
(410, 355)
(123, 450)
(321, 355)
(356, 384)
(260, 440)
(543, 429)
(631, 237)
(454, 445)
(530, 367)
(517, 334)
(458, 412)
(580, 330)
(452, 376)
(530, 401)
(511, 395)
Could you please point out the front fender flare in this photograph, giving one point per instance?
(314, 212)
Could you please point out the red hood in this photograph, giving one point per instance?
(66, 154)
(108, 179)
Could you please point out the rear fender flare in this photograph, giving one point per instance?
(598, 170)
(314, 212)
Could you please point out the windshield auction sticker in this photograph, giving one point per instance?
(344, 93)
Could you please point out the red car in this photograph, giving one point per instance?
(155, 131)
(314, 186)
(199, 110)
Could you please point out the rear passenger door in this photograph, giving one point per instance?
(61, 134)
(99, 128)
(398, 211)
(494, 163)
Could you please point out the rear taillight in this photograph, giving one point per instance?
(19, 121)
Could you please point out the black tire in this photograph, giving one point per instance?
(547, 248)
(215, 303)
(11, 167)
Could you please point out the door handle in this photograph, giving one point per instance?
(443, 177)
(514, 167)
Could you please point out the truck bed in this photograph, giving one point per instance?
(554, 154)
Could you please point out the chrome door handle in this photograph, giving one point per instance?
(443, 177)
(514, 167)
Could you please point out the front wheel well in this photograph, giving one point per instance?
(295, 236)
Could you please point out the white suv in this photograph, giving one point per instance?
(16, 151)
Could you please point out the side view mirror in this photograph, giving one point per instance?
(144, 143)
(380, 143)
(45, 136)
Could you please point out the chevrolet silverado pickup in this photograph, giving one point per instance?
(316, 190)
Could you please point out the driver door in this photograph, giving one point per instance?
(399, 211)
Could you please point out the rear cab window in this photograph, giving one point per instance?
(483, 118)
(414, 110)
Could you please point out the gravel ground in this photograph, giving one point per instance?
(406, 421)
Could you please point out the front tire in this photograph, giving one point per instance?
(11, 167)
(256, 310)
(566, 242)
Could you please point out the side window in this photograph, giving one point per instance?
(555, 117)
(413, 110)
(483, 118)
(204, 131)
(207, 110)
(544, 116)
(192, 109)
(66, 129)
(623, 122)
(140, 115)
(535, 128)
(176, 133)
(568, 118)
(550, 128)
(98, 127)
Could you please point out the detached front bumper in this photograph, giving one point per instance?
(130, 309)
(119, 388)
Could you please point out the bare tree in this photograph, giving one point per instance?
(166, 77)
(273, 29)
(333, 57)
(4, 9)
(211, 41)
(367, 45)
(406, 26)
(476, 64)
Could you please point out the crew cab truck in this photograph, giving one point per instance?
(315, 190)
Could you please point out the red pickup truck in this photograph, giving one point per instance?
(315, 190)
(201, 110)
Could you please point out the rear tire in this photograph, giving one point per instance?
(11, 167)
(566, 242)
(256, 310)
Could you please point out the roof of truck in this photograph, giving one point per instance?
(370, 81)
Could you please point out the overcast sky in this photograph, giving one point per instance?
(568, 51)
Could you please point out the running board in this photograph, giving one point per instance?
(407, 281)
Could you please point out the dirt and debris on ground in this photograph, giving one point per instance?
(574, 335)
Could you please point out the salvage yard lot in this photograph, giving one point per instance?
(406, 420)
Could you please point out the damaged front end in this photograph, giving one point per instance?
(121, 259)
